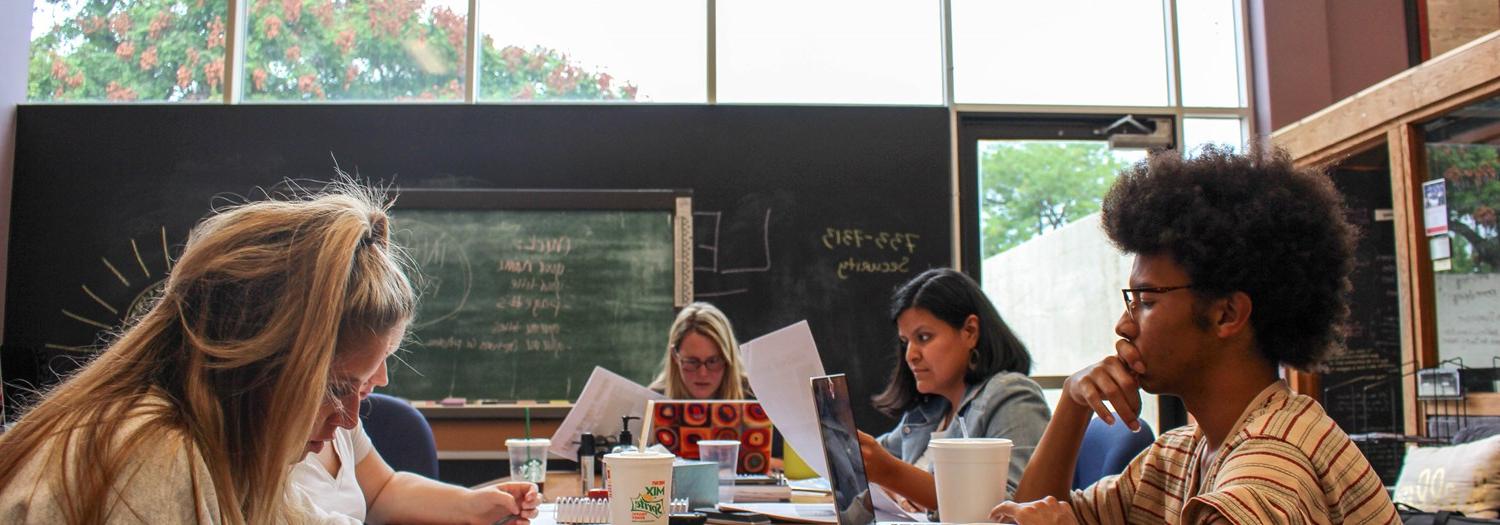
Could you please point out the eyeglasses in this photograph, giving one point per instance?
(690, 364)
(1133, 295)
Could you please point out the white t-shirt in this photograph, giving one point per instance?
(341, 493)
(924, 461)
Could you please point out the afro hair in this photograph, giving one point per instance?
(1249, 223)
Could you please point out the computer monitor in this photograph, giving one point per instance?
(846, 466)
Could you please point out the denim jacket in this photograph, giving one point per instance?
(1007, 405)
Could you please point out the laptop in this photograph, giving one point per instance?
(679, 425)
(846, 466)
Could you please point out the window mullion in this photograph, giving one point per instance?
(471, 51)
(234, 51)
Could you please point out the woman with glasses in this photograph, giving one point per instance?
(962, 372)
(703, 359)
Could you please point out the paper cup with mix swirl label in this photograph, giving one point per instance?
(640, 487)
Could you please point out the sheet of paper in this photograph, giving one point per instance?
(605, 398)
(807, 513)
(886, 509)
(789, 512)
(780, 364)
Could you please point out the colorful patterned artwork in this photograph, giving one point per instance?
(680, 425)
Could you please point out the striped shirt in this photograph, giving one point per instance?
(1285, 461)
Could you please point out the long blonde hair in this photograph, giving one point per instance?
(239, 345)
(705, 319)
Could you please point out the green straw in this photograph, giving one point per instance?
(529, 465)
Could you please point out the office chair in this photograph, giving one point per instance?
(1107, 449)
(400, 434)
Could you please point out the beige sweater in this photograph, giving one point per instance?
(166, 481)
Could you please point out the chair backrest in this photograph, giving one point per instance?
(400, 434)
(1472, 433)
(1107, 449)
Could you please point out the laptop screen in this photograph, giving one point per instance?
(846, 467)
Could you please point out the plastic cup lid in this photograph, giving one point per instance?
(639, 455)
(518, 442)
(969, 443)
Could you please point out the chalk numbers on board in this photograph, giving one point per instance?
(857, 238)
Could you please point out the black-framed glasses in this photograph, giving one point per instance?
(691, 364)
(1133, 295)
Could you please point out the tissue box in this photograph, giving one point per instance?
(698, 481)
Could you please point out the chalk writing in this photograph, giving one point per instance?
(551, 345)
(561, 244)
(536, 305)
(853, 266)
(857, 238)
(707, 239)
(548, 294)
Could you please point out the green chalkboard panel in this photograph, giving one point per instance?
(522, 304)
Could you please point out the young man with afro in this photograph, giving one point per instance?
(1241, 266)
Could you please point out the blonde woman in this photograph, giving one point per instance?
(703, 359)
(266, 330)
(348, 480)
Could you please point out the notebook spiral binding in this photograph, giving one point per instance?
(596, 510)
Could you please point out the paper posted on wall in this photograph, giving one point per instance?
(605, 398)
(780, 364)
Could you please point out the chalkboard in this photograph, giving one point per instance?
(778, 195)
(1362, 388)
(512, 295)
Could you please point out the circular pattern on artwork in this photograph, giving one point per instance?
(754, 463)
(695, 414)
(727, 415)
(756, 414)
(667, 438)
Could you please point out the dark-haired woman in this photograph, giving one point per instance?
(962, 368)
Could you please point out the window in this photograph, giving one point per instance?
(376, 50)
(1224, 131)
(1038, 182)
(1062, 52)
(1039, 87)
(1024, 55)
(1039, 201)
(1212, 61)
(149, 50)
(832, 51)
(593, 50)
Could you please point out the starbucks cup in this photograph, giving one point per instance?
(971, 475)
(640, 487)
(528, 460)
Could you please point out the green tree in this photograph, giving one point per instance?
(1030, 188)
(1472, 175)
(129, 50)
(294, 50)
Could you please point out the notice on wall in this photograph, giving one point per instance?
(1435, 207)
(1468, 317)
